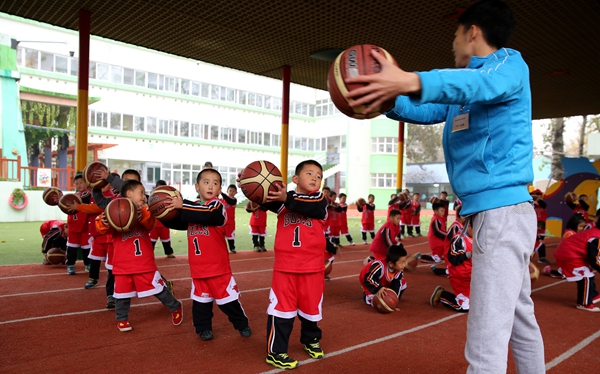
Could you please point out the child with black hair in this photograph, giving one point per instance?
(437, 234)
(79, 236)
(367, 220)
(382, 274)
(230, 202)
(343, 210)
(161, 232)
(334, 217)
(388, 235)
(134, 267)
(258, 225)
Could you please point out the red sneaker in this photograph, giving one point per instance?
(596, 300)
(177, 316)
(124, 326)
(589, 308)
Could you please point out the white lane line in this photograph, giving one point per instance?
(573, 350)
(376, 341)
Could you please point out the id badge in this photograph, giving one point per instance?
(460, 122)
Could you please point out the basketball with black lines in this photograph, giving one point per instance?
(386, 303)
(122, 214)
(56, 256)
(159, 201)
(354, 61)
(258, 178)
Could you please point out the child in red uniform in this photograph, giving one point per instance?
(444, 201)
(230, 202)
(134, 267)
(387, 236)
(368, 218)
(343, 210)
(539, 206)
(161, 232)
(436, 235)
(406, 210)
(386, 272)
(578, 204)
(575, 224)
(415, 218)
(212, 279)
(334, 217)
(79, 236)
(54, 234)
(454, 229)
(258, 225)
(393, 204)
(578, 256)
(459, 270)
(298, 273)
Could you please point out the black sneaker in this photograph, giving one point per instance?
(206, 335)
(281, 361)
(91, 283)
(110, 302)
(246, 332)
(314, 350)
(232, 250)
(262, 248)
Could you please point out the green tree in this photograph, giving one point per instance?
(423, 143)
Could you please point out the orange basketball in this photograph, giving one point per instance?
(354, 61)
(122, 214)
(56, 256)
(52, 195)
(387, 303)
(258, 178)
(361, 201)
(68, 199)
(158, 200)
(90, 178)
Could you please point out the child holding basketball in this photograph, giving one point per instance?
(436, 235)
(230, 202)
(387, 236)
(133, 261)
(161, 232)
(368, 218)
(386, 272)
(79, 236)
(54, 234)
(298, 273)
(258, 225)
(212, 279)
(343, 210)
(415, 218)
(334, 217)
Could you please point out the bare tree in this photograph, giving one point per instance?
(423, 144)
(558, 148)
(582, 135)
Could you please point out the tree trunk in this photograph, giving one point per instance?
(558, 148)
(582, 135)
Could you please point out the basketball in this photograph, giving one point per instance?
(158, 201)
(52, 195)
(68, 199)
(122, 214)
(569, 197)
(328, 267)
(534, 272)
(434, 200)
(258, 178)
(354, 61)
(56, 256)
(387, 303)
(90, 178)
(412, 262)
(361, 202)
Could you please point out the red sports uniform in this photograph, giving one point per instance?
(572, 255)
(446, 205)
(416, 213)
(385, 237)
(229, 204)
(343, 210)
(368, 217)
(454, 229)
(335, 221)
(393, 204)
(79, 235)
(375, 275)
(407, 211)
(160, 232)
(51, 230)
(436, 237)
(258, 222)
(459, 270)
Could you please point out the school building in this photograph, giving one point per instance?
(165, 116)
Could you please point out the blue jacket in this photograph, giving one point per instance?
(489, 163)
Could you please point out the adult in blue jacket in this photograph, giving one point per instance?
(488, 145)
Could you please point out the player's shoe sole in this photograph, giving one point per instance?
(281, 361)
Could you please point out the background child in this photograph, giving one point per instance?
(406, 209)
(444, 201)
(459, 263)
(455, 229)
(436, 234)
(368, 218)
(298, 273)
(161, 232)
(415, 219)
(575, 224)
(578, 257)
(212, 279)
(334, 217)
(230, 202)
(539, 206)
(387, 236)
(258, 225)
(384, 273)
(54, 235)
(79, 236)
(343, 210)
(393, 204)
(134, 266)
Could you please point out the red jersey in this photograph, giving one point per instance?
(386, 236)
(540, 211)
(132, 250)
(454, 229)
(258, 218)
(51, 224)
(335, 217)
(343, 210)
(459, 264)
(229, 204)
(299, 240)
(572, 251)
(437, 233)
(376, 274)
(78, 221)
(446, 204)
(368, 213)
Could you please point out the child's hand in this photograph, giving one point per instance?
(102, 173)
(381, 293)
(397, 309)
(104, 220)
(72, 208)
(279, 195)
(176, 202)
(238, 178)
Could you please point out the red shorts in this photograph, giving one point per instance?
(140, 285)
(221, 289)
(437, 251)
(160, 232)
(230, 231)
(109, 254)
(293, 293)
(416, 220)
(367, 227)
(344, 229)
(100, 247)
(334, 231)
(258, 230)
(79, 239)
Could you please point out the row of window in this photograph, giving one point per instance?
(186, 174)
(383, 180)
(384, 145)
(34, 59)
(185, 129)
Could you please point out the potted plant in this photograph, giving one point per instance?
(18, 199)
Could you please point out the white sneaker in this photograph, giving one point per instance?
(589, 308)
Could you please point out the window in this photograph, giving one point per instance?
(259, 100)
(343, 142)
(196, 131)
(226, 134)
(276, 103)
(61, 64)
(75, 67)
(101, 71)
(128, 76)
(161, 82)
(311, 144)
(231, 94)
(242, 136)
(171, 84)
(223, 96)
(31, 59)
(127, 122)
(255, 137)
(115, 121)
(267, 102)
(297, 143)
(102, 119)
(20, 56)
(185, 87)
(93, 69)
(383, 180)
(251, 98)
(116, 74)
(139, 124)
(243, 97)
(184, 129)
(151, 125)
(152, 174)
(205, 90)
(173, 127)
(215, 92)
(267, 139)
(153, 81)
(163, 126)
(384, 145)
(275, 140)
(140, 78)
(195, 88)
(47, 61)
(214, 132)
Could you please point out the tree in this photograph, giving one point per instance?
(423, 144)
(558, 148)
